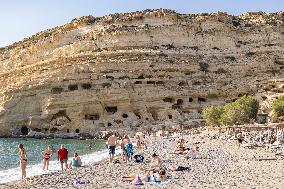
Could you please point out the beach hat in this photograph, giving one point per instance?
(137, 181)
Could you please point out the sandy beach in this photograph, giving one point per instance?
(226, 166)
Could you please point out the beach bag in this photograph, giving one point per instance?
(138, 158)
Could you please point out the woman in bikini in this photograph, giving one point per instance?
(46, 157)
(23, 160)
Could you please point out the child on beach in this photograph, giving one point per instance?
(23, 160)
(129, 150)
(76, 161)
(122, 145)
(46, 157)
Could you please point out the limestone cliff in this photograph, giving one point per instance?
(134, 70)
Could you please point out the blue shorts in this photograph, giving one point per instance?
(111, 149)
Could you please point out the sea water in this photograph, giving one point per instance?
(9, 158)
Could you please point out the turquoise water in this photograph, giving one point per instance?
(9, 149)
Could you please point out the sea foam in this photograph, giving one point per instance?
(54, 166)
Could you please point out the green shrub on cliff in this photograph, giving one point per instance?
(213, 114)
(242, 111)
(278, 107)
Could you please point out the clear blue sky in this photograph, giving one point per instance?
(23, 18)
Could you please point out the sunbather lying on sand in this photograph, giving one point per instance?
(180, 148)
(160, 175)
(179, 168)
(191, 153)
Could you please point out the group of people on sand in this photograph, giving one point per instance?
(156, 172)
(187, 153)
(62, 156)
(126, 146)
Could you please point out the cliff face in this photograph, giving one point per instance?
(128, 71)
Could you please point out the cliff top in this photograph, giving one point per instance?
(246, 19)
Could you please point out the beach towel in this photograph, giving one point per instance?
(181, 168)
(79, 182)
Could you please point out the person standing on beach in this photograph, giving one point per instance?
(111, 142)
(129, 150)
(122, 145)
(46, 157)
(23, 160)
(63, 156)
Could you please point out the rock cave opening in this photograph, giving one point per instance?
(111, 109)
(56, 90)
(73, 87)
(86, 86)
(92, 117)
(67, 131)
(141, 77)
(201, 99)
(151, 82)
(170, 116)
(24, 130)
(137, 115)
(190, 99)
(45, 129)
(37, 129)
(124, 115)
(118, 121)
(264, 97)
(138, 82)
(154, 115)
(77, 131)
(182, 84)
(168, 99)
(179, 102)
(109, 77)
(160, 83)
(109, 124)
(53, 130)
(106, 85)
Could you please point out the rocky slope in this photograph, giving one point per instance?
(134, 71)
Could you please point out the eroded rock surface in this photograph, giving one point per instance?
(138, 70)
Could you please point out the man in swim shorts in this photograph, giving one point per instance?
(63, 156)
(111, 142)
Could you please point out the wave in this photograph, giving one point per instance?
(14, 174)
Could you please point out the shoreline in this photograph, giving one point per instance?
(226, 166)
(54, 167)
